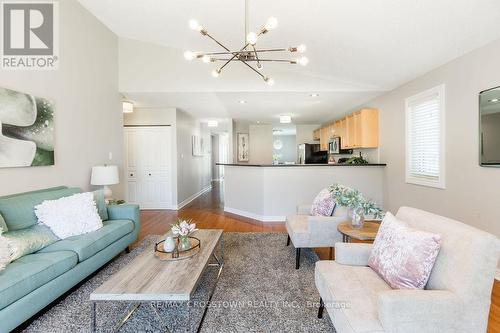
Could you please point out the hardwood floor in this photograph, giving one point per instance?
(208, 213)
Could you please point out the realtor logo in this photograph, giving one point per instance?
(29, 35)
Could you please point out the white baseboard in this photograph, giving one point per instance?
(194, 196)
(263, 218)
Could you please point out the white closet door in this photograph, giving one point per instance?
(149, 166)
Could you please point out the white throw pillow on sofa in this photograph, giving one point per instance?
(5, 251)
(70, 216)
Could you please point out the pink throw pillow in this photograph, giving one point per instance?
(403, 256)
(323, 204)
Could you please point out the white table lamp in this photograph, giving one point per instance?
(105, 175)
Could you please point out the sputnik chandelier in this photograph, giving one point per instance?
(250, 55)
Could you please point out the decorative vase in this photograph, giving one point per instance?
(184, 243)
(357, 217)
(169, 244)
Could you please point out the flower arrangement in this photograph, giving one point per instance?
(183, 228)
(353, 199)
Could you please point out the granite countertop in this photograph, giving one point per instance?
(301, 165)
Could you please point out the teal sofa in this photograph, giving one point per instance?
(32, 282)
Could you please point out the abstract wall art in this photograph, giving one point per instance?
(243, 147)
(26, 130)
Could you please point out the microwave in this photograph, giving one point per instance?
(334, 147)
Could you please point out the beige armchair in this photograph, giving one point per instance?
(456, 298)
(306, 231)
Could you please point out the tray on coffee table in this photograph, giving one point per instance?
(183, 254)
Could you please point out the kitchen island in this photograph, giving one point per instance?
(271, 192)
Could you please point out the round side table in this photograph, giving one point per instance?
(367, 233)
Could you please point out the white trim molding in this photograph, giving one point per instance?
(497, 274)
(255, 216)
(192, 197)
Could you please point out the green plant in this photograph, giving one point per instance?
(370, 208)
(353, 199)
(357, 160)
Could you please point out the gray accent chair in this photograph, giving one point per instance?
(456, 299)
(307, 231)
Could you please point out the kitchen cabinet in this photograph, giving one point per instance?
(326, 134)
(357, 130)
(344, 138)
(324, 138)
(350, 131)
(342, 133)
(331, 131)
(357, 139)
(368, 128)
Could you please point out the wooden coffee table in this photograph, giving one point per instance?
(367, 233)
(146, 279)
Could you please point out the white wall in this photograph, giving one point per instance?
(231, 148)
(260, 144)
(304, 133)
(272, 193)
(472, 192)
(215, 157)
(193, 172)
(150, 116)
(88, 115)
(288, 153)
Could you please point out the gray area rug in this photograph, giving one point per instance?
(259, 290)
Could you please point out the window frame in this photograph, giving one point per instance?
(440, 183)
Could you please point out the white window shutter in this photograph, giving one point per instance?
(425, 153)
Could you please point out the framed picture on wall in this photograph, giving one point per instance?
(243, 147)
(197, 146)
(26, 130)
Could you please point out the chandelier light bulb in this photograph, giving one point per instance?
(189, 55)
(301, 48)
(272, 23)
(193, 24)
(303, 61)
(206, 59)
(269, 81)
(216, 72)
(252, 38)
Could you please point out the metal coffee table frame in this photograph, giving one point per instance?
(134, 305)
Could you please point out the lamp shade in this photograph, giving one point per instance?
(128, 107)
(104, 175)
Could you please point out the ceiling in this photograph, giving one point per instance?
(357, 49)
